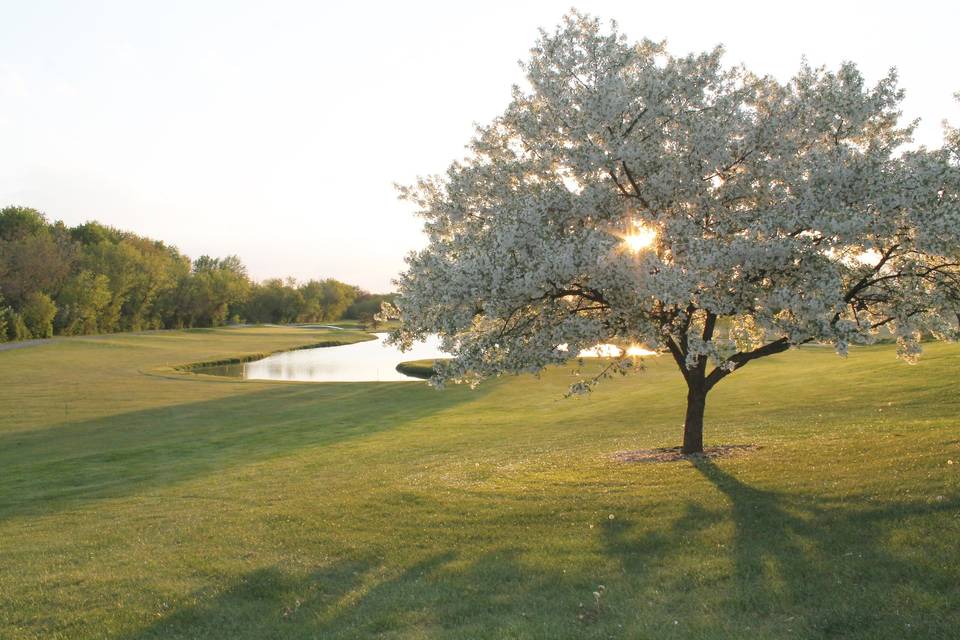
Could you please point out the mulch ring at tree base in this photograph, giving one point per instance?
(673, 454)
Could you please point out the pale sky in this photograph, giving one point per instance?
(275, 130)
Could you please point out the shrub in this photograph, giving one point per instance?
(38, 313)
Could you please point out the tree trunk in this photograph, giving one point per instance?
(693, 423)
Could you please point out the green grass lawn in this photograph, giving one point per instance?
(138, 502)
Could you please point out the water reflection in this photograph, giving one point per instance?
(370, 361)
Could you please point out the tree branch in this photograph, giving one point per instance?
(613, 177)
(709, 325)
(688, 318)
(866, 280)
(742, 358)
(679, 357)
(634, 122)
(633, 183)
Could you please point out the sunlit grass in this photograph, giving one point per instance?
(143, 506)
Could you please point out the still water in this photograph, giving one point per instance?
(370, 361)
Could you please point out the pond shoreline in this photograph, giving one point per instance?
(192, 367)
(370, 360)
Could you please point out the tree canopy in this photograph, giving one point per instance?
(96, 279)
(628, 195)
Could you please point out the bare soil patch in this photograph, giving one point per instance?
(673, 454)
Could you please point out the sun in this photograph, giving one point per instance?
(639, 238)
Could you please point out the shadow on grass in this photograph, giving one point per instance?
(794, 566)
(436, 595)
(808, 566)
(69, 464)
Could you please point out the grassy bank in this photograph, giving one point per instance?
(422, 369)
(142, 506)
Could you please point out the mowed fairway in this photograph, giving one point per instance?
(135, 505)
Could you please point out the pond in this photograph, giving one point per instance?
(370, 361)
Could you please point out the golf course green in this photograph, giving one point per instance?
(141, 500)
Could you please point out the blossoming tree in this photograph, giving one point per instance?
(630, 196)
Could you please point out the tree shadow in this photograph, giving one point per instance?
(638, 555)
(824, 567)
(440, 594)
(788, 565)
(793, 565)
(70, 464)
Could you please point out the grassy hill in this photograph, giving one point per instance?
(140, 502)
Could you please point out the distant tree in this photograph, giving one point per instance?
(367, 306)
(103, 279)
(33, 258)
(312, 309)
(83, 302)
(156, 269)
(93, 233)
(215, 285)
(366, 302)
(166, 306)
(38, 313)
(274, 301)
(16, 327)
(21, 222)
(122, 265)
(326, 300)
(139, 271)
(715, 215)
(5, 313)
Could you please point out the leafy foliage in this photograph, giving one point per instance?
(38, 313)
(367, 307)
(5, 312)
(777, 213)
(96, 279)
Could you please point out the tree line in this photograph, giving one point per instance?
(59, 280)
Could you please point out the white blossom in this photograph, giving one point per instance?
(783, 212)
